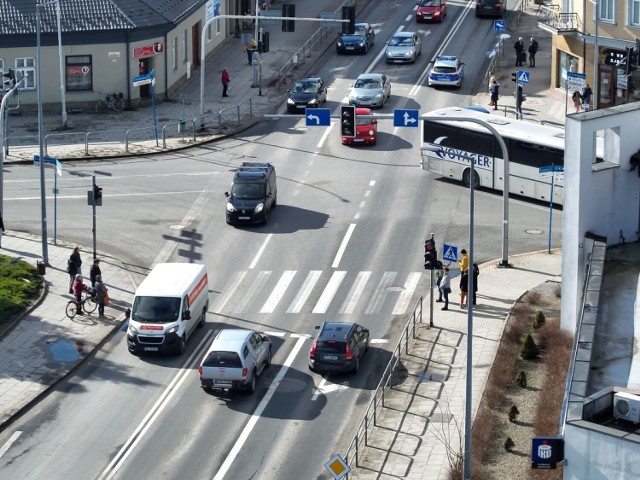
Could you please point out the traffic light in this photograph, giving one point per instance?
(263, 42)
(97, 195)
(348, 121)
(513, 76)
(349, 13)
(288, 10)
(430, 255)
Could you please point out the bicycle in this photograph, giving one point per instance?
(112, 101)
(88, 302)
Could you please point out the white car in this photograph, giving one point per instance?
(403, 47)
(447, 70)
(370, 90)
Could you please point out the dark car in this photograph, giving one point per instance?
(338, 347)
(357, 42)
(306, 93)
(489, 8)
(254, 193)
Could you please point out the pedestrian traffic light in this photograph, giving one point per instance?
(349, 13)
(348, 121)
(430, 255)
(288, 10)
(514, 76)
(263, 43)
(97, 195)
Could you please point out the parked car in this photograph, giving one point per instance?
(489, 8)
(360, 41)
(339, 347)
(447, 70)
(254, 192)
(306, 93)
(403, 47)
(235, 360)
(366, 128)
(431, 10)
(370, 90)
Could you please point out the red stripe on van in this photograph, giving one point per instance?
(199, 287)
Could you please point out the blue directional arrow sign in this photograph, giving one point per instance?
(450, 252)
(499, 25)
(318, 117)
(523, 76)
(405, 118)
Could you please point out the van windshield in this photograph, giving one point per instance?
(155, 309)
(248, 190)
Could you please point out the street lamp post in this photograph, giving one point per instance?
(63, 100)
(596, 54)
(43, 197)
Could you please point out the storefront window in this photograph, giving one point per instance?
(79, 73)
(568, 63)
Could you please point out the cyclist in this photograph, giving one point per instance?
(78, 288)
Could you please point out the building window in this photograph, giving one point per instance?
(184, 45)
(607, 10)
(78, 73)
(209, 33)
(26, 67)
(634, 14)
(174, 53)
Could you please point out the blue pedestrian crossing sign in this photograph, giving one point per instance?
(405, 118)
(450, 252)
(318, 117)
(499, 25)
(523, 76)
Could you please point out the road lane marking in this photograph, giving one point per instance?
(10, 442)
(355, 293)
(304, 292)
(406, 294)
(230, 289)
(343, 246)
(260, 252)
(252, 293)
(279, 290)
(380, 293)
(258, 412)
(329, 292)
(323, 388)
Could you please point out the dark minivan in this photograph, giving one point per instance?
(338, 347)
(489, 8)
(253, 194)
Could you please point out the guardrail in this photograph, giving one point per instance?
(377, 401)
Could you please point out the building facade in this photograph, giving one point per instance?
(594, 37)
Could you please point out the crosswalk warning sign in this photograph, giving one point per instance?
(523, 76)
(450, 253)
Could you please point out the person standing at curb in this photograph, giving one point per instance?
(492, 78)
(78, 288)
(577, 100)
(94, 271)
(74, 267)
(519, 48)
(101, 292)
(439, 275)
(445, 287)
(225, 82)
(533, 49)
(250, 48)
(464, 261)
(464, 288)
(519, 100)
(495, 95)
(586, 99)
(476, 272)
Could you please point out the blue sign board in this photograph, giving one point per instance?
(523, 76)
(48, 161)
(546, 452)
(499, 25)
(318, 117)
(450, 252)
(405, 118)
(551, 169)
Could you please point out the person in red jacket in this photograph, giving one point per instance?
(78, 288)
(225, 82)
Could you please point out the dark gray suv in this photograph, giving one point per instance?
(254, 192)
(339, 347)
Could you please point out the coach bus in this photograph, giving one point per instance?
(449, 146)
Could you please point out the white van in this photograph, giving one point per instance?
(167, 307)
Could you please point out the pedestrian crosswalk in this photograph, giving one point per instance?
(319, 292)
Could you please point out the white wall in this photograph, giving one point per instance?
(601, 198)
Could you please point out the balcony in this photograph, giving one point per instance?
(552, 20)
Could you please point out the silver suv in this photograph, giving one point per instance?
(235, 360)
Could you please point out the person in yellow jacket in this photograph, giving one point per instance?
(464, 261)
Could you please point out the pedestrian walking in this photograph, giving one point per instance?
(74, 267)
(250, 48)
(464, 288)
(1, 227)
(225, 82)
(439, 275)
(492, 78)
(495, 95)
(94, 271)
(519, 47)
(519, 100)
(445, 286)
(78, 288)
(586, 100)
(464, 261)
(476, 272)
(577, 100)
(533, 49)
(101, 294)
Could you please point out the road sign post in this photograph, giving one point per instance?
(405, 118)
(552, 171)
(52, 162)
(318, 117)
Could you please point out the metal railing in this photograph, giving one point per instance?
(552, 17)
(371, 414)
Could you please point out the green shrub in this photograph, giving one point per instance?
(513, 413)
(528, 349)
(19, 285)
(509, 444)
(538, 320)
(521, 379)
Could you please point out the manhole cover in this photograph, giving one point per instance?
(534, 231)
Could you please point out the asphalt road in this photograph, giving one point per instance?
(128, 417)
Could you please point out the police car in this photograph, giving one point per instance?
(446, 70)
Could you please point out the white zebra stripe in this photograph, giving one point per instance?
(354, 294)
(380, 294)
(304, 292)
(329, 292)
(230, 290)
(405, 297)
(254, 291)
(279, 290)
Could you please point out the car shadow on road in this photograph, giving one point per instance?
(289, 219)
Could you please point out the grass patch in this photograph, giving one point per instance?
(20, 285)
